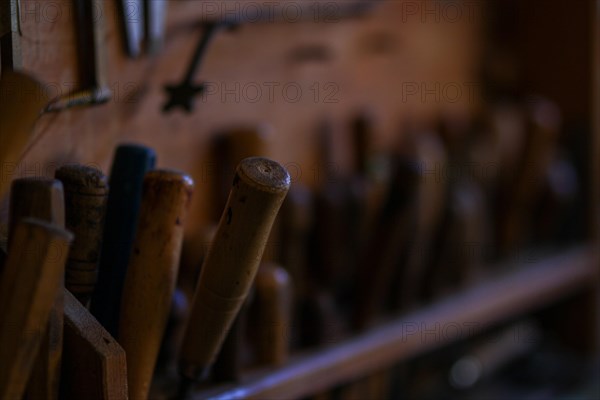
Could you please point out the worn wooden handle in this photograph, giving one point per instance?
(273, 302)
(152, 274)
(43, 199)
(86, 190)
(259, 187)
(129, 166)
(30, 284)
(39, 198)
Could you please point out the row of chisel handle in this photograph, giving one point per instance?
(115, 246)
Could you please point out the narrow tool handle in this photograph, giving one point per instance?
(39, 198)
(152, 274)
(43, 199)
(232, 146)
(273, 301)
(259, 187)
(30, 284)
(296, 224)
(86, 191)
(130, 164)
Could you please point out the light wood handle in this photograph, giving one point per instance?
(30, 284)
(259, 187)
(152, 274)
(86, 191)
(273, 301)
(43, 199)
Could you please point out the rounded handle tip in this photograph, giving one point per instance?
(264, 174)
(170, 175)
(82, 176)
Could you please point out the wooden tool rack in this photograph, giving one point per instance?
(89, 134)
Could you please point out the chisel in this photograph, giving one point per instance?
(333, 248)
(86, 191)
(42, 199)
(156, 15)
(130, 164)
(272, 307)
(462, 241)
(28, 289)
(432, 186)
(132, 19)
(296, 223)
(91, 47)
(152, 274)
(544, 123)
(259, 187)
(230, 147)
(388, 244)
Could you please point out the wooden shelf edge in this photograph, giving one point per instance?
(530, 287)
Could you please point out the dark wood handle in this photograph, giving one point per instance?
(259, 187)
(39, 198)
(129, 166)
(86, 191)
(152, 274)
(274, 303)
(28, 289)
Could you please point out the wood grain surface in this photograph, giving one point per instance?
(94, 364)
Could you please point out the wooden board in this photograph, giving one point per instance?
(94, 365)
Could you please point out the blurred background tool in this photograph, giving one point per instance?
(42, 199)
(130, 164)
(29, 287)
(388, 246)
(90, 19)
(132, 19)
(86, 191)
(271, 325)
(259, 187)
(152, 273)
(156, 15)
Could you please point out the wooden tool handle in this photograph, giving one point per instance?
(130, 164)
(43, 199)
(232, 146)
(259, 187)
(273, 302)
(296, 219)
(86, 190)
(39, 198)
(30, 283)
(152, 273)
